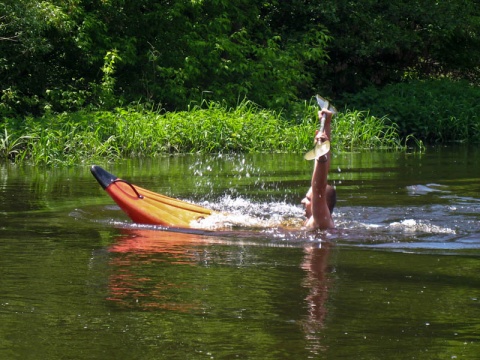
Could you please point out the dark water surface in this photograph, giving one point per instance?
(398, 279)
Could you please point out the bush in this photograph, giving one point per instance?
(432, 110)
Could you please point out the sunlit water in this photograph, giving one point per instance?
(397, 278)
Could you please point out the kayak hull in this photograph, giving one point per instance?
(147, 207)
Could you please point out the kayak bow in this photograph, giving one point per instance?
(147, 207)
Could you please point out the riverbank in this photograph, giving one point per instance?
(70, 138)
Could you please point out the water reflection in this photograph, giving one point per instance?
(76, 274)
(140, 256)
(315, 263)
(154, 269)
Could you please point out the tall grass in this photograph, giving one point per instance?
(68, 139)
(358, 130)
(11, 145)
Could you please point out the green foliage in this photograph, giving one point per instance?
(357, 130)
(169, 53)
(11, 146)
(433, 111)
(227, 50)
(68, 139)
(61, 55)
(73, 138)
(106, 89)
(34, 53)
(377, 43)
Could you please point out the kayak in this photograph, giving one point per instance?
(147, 207)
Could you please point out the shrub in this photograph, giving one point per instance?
(432, 110)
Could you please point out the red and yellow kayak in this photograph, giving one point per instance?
(147, 207)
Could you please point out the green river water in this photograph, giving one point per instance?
(398, 279)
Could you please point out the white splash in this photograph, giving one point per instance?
(411, 225)
(240, 212)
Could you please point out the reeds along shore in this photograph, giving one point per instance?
(67, 139)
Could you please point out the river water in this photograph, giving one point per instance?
(399, 277)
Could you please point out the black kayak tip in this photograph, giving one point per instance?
(103, 177)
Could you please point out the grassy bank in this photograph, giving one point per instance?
(68, 139)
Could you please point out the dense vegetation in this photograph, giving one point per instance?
(433, 110)
(71, 138)
(92, 57)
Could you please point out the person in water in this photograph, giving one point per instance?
(321, 197)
